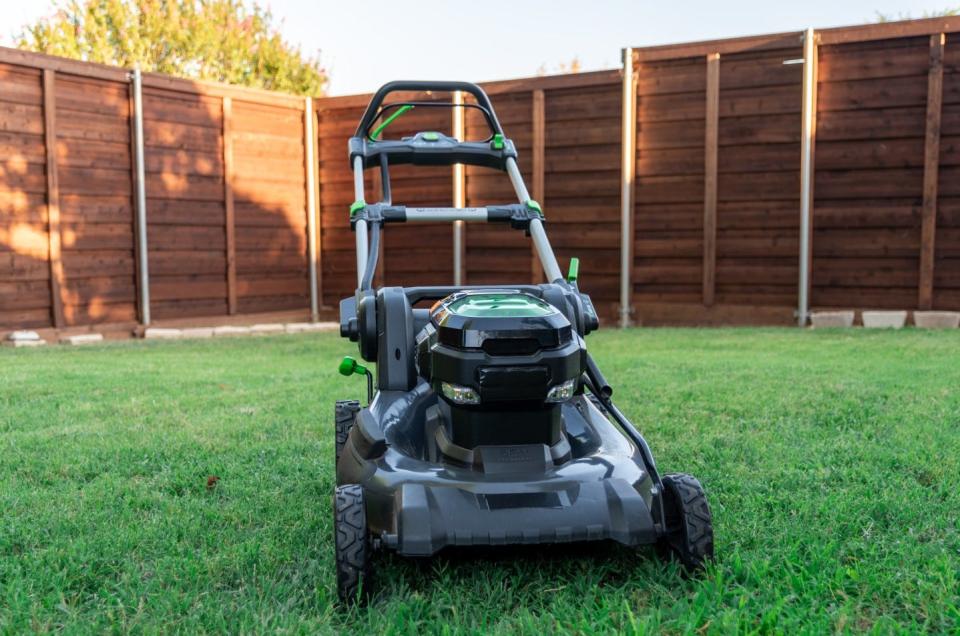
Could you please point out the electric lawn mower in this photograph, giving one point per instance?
(487, 423)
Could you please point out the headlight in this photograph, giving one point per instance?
(459, 394)
(563, 391)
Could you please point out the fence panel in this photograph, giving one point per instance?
(669, 190)
(946, 274)
(579, 130)
(25, 295)
(95, 189)
(269, 192)
(417, 253)
(877, 125)
(758, 181)
(495, 254)
(185, 203)
(582, 182)
(869, 173)
(337, 122)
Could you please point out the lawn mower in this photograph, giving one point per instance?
(488, 423)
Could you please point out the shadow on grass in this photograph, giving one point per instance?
(521, 575)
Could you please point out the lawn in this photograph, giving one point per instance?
(831, 460)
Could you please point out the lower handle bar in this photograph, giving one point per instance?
(518, 215)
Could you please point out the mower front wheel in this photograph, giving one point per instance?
(689, 523)
(352, 544)
(344, 413)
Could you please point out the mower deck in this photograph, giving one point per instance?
(513, 494)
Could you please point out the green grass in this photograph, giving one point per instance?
(831, 460)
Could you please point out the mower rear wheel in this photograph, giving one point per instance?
(352, 544)
(344, 413)
(689, 522)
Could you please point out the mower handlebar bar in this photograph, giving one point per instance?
(370, 114)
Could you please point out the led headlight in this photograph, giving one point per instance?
(563, 391)
(459, 394)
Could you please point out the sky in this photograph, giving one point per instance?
(364, 43)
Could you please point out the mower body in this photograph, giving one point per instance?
(487, 421)
(507, 464)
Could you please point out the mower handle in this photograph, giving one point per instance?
(376, 101)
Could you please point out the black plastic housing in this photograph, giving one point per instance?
(419, 503)
(443, 151)
(510, 362)
(360, 323)
(505, 359)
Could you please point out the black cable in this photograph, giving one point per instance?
(599, 387)
(604, 390)
(385, 181)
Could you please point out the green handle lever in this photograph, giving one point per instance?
(390, 118)
(574, 270)
(349, 366)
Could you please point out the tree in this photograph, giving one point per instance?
(939, 13)
(563, 68)
(221, 40)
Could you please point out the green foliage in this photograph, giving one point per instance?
(936, 13)
(831, 460)
(220, 40)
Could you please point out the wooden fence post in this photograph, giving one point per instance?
(710, 143)
(317, 192)
(931, 164)
(229, 211)
(310, 183)
(134, 194)
(808, 139)
(539, 169)
(628, 170)
(459, 195)
(53, 196)
(139, 172)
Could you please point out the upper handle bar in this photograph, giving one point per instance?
(370, 115)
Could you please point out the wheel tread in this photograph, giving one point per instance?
(344, 414)
(351, 542)
(691, 541)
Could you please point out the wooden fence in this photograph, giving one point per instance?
(717, 200)
(225, 190)
(567, 132)
(713, 227)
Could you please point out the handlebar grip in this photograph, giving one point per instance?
(406, 85)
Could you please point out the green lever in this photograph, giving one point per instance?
(349, 366)
(574, 270)
(386, 122)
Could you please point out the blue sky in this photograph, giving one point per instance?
(367, 42)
